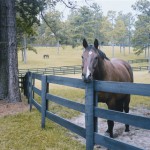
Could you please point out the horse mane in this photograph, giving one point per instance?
(102, 54)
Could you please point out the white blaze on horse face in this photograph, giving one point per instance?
(90, 52)
(88, 72)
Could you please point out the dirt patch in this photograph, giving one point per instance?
(137, 137)
(12, 108)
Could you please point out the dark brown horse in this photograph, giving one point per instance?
(96, 66)
(46, 56)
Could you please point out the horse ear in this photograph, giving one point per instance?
(85, 44)
(96, 43)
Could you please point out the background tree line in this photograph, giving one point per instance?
(38, 22)
(89, 22)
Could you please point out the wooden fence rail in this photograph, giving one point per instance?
(62, 70)
(137, 61)
(92, 112)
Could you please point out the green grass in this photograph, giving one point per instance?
(67, 56)
(23, 132)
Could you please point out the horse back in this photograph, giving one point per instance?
(118, 70)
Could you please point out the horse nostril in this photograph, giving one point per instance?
(83, 76)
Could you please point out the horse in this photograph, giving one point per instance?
(46, 56)
(97, 66)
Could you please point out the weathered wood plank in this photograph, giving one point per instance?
(30, 90)
(37, 91)
(43, 97)
(67, 124)
(66, 102)
(113, 144)
(37, 105)
(89, 116)
(77, 83)
(123, 87)
(37, 76)
(134, 120)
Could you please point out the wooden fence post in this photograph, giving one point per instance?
(89, 116)
(47, 91)
(95, 105)
(43, 98)
(30, 89)
(33, 83)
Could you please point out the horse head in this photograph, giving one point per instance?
(90, 58)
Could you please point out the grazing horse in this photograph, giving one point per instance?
(96, 66)
(46, 56)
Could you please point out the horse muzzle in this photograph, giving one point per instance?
(87, 79)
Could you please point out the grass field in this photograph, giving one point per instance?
(66, 57)
(23, 132)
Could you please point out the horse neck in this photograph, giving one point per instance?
(100, 72)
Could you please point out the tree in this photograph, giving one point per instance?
(26, 18)
(119, 32)
(9, 85)
(123, 30)
(106, 29)
(112, 16)
(141, 39)
(85, 23)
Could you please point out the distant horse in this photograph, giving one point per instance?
(46, 56)
(96, 66)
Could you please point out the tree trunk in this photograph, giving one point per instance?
(112, 50)
(9, 83)
(58, 45)
(25, 49)
(3, 52)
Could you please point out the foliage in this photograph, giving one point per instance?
(26, 15)
(84, 22)
(26, 18)
(141, 39)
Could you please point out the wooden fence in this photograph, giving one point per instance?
(137, 61)
(63, 70)
(92, 112)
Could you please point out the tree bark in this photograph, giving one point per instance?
(25, 49)
(9, 82)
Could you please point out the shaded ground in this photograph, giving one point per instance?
(138, 137)
(12, 108)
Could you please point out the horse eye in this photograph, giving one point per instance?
(96, 58)
(82, 57)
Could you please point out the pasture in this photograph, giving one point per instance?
(22, 131)
(67, 56)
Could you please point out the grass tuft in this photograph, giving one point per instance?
(23, 132)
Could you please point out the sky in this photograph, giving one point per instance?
(106, 5)
(116, 5)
